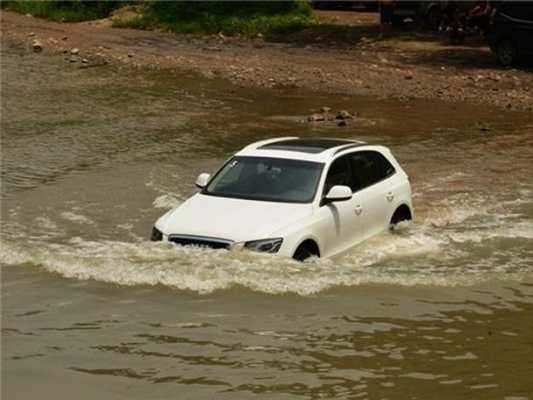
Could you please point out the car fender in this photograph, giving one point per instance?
(295, 234)
(162, 220)
(398, 204)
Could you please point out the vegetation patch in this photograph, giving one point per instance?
(233, 17)
(229, 17)
(68, 11)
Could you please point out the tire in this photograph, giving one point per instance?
(506, 52)
(304, 251)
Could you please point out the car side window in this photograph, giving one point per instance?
(338, 174)
(368, 168)
(384, 167)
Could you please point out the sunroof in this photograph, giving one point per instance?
(312, 146)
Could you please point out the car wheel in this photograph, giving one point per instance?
(402, 213)
(305, 250)
(506, 52)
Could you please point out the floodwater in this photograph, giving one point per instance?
(442, 309)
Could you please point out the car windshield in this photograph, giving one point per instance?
(267, 179)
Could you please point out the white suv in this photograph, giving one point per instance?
(295, 197)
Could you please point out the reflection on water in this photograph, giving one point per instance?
(90, 158)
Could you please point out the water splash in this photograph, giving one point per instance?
(412, 256)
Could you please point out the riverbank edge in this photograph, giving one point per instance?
(256, 62)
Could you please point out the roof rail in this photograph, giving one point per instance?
(268, 141)
(349, 146)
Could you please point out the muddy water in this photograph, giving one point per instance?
(442, 309)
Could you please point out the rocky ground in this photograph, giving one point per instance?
(343, 54)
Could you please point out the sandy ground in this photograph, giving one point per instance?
(341, 55)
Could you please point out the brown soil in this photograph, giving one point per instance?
(343, 54)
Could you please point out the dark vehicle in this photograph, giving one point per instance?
(426, 13)
(344, 5)
(462, 19)
(330, 5)
(510, 34)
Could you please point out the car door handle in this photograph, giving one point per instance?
(390, 196)
(358, 210)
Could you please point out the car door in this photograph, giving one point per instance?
(520, 24)
(341, 222)
(374, 189)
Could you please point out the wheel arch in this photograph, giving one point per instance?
(402, 209)
(313, 241)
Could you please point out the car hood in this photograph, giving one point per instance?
(233, 219)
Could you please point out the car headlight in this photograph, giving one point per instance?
(264, 245)
(156, 235)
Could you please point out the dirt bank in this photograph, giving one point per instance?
(341, 55)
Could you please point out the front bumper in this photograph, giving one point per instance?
(269, 245)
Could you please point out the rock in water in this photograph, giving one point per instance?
(316, 118)
(75, 51)
(37, 46)
(343, 114)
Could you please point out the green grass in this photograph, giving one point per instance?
(69, 11)
(229, 17)
(249, 18)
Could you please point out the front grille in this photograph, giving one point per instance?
(200, 241)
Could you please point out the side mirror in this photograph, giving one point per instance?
(338, 193)
(202, 180)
